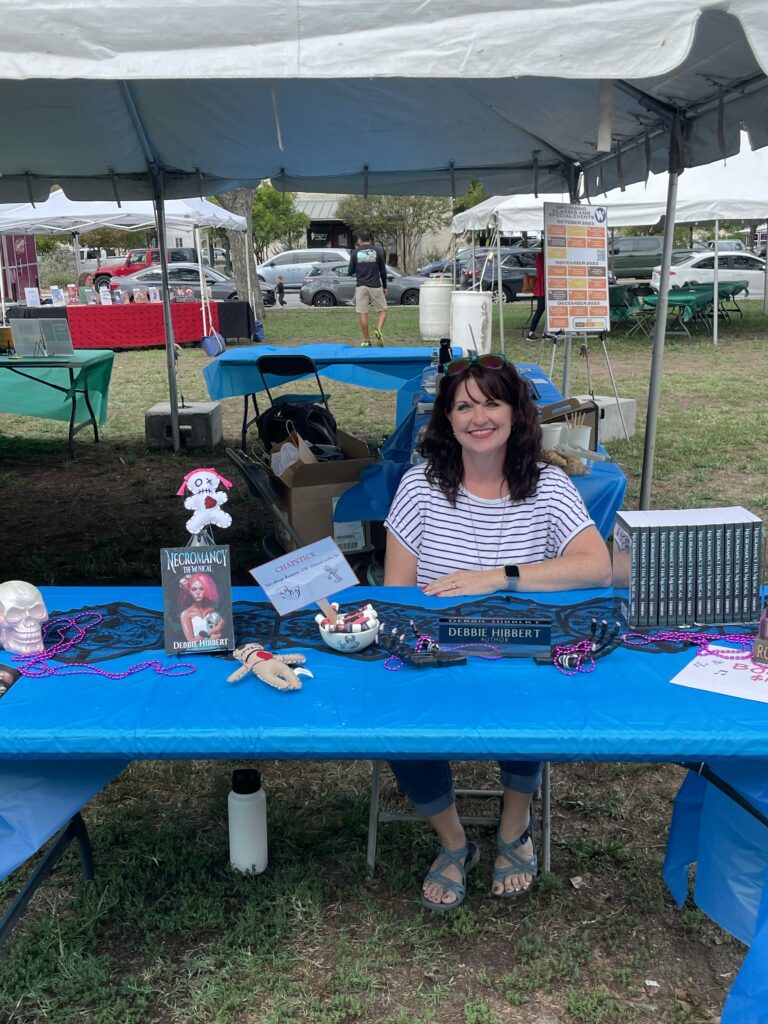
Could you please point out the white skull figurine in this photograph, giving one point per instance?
(22, 614)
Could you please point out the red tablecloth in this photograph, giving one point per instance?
(135, 325)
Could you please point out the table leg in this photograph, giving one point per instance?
(248, 422)
(74, 830)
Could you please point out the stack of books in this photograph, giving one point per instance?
(676, 567)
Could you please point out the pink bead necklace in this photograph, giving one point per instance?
(702, 641)
(36, 665)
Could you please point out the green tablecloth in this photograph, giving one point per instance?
(43, 386)
(685, 302)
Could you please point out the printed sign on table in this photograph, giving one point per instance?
(304, 576)
(576, 258)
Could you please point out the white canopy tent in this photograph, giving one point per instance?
(60, 215)
(734, 189)
(193, 98)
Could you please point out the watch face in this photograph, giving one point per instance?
(512, 572)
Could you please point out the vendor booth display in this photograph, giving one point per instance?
(140, 324)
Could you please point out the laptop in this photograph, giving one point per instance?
(56, 337)
(27, 339)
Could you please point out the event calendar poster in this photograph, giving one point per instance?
(576, 259)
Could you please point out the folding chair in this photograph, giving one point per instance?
(280, 369)
(376, 815)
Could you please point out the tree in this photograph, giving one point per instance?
(475, 194)
(406, 219)
(276, 219)
(240, 201)
(114, 238)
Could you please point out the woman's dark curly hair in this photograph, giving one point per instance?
(445, 468)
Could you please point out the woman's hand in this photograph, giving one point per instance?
(466, 582)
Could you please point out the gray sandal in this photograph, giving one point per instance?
(517, 865)
(464, 859)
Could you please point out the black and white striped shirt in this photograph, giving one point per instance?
(482, 533)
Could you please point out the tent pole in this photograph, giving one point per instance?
(170, 348)
(2, 285)
(204, 311)
(501, 290)
(76, 249)
(659, 334)
(716, 283)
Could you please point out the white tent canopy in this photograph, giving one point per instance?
(733, 190)
(60, 215)
(409, 99)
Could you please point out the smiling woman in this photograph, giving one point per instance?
(484, 514)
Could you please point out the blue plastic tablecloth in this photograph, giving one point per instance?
(602, 490)
(234, 372)
(63, 738)
(624, 710)
(730, 849)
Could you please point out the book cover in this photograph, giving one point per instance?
(118, 296)
(643, 576)
(73, 294)
(32, 296)
(154, 294)
(738, 572)
(690, 573)
(663, 588)
(626, 567)
(57, 295)
(700, 587)
(719, 581)
(140, 295)
(197, 599)
(728, 575)
(653, 575)
(681, 544)
(756, 571)
(105, 296)
(757, 561)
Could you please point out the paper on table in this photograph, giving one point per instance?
(743, 678)
(304, 576)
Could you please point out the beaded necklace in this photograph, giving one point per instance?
(36, 665)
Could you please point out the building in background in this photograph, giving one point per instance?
(327, 230)
(18, 259)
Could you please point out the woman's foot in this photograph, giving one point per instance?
(516, 864)
(445, 884)
(530, 336)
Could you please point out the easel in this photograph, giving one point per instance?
(567, 338)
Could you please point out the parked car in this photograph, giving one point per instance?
(133, 261)
(700, 269)
(295, 264)
(483, 273)
(187, 275)
(727, 245)
(330, 285)
(636, 256)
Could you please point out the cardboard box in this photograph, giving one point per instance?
(305, 495)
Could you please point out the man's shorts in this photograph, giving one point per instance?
(369, 298)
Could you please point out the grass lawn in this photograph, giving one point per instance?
(166, 933)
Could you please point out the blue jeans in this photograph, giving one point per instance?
(429, 784)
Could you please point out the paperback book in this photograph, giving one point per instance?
(197, 600)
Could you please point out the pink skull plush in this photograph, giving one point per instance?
(22, 614)
(205, 500)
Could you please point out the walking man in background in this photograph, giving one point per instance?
(367, 264)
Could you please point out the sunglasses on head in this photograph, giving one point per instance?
(490, 361)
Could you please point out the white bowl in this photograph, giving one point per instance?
(349, 643)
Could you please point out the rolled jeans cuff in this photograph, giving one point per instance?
(521, 783)
(440, 803)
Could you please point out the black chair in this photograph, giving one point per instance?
(276, 370)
